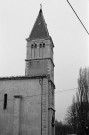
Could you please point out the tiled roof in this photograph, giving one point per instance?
(39, 30)
(22, 77)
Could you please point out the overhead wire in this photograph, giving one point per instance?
(78, 17)
(56, 92)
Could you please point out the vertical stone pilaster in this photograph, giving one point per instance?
(45, 107)
(16, 121)
(49, 122)
(51, 109)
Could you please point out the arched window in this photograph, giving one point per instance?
(40, 45)
(43, 45)
(35, 45)
(5, 101)
(32, 46)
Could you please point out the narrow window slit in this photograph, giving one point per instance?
(5, 101)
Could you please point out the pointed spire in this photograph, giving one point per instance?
(39, 30)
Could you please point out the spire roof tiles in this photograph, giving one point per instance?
(39, 30)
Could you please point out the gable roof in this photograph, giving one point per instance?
(39, 30)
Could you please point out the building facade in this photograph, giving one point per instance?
(27, 102)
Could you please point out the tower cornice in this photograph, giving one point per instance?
(41, 59)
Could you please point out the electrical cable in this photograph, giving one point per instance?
(78, 17)
(56, 92)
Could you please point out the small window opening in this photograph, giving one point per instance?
(40, 45)
(35, 45)
(43, 44)
(32, 46)
(5, 101)
(53, 121)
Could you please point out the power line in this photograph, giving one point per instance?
(66, 90)
(56, 92)
(78, 17)
(51, 92)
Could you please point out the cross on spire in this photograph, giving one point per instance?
(41, 6)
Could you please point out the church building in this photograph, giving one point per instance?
(27, 102)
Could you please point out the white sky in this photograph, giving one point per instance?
(70, 39)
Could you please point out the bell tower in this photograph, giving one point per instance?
(39, 63)
(39, 58)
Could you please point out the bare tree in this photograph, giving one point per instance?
(78, 112)
(71, 116)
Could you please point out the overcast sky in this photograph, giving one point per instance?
(17, 18)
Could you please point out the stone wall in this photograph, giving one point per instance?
(22, 114)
